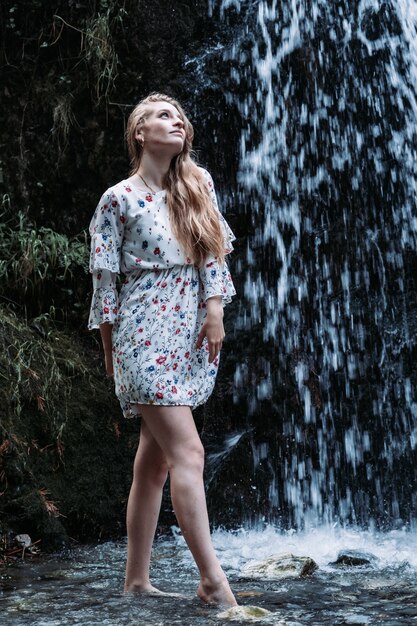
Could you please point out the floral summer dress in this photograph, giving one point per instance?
(159, 311)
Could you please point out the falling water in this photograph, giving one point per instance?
(326, 97)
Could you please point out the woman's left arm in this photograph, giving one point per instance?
(212, 327)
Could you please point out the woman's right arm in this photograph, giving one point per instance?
(107, 231)
(105, 332)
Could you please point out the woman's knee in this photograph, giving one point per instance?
(160, 474)
(190, 457)
(155, 470)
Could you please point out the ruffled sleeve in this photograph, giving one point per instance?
(106, 230)
(215, 277)
(104, 303)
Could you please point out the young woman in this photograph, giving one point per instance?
(162, 334)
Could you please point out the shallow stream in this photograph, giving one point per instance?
(84, 587)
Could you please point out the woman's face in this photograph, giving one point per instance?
(163, 129)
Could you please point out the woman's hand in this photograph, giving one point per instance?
(212, 328)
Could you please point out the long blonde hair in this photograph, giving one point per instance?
(194, 219)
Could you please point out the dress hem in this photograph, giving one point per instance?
(130, 414)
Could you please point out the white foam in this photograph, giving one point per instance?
(237, 548)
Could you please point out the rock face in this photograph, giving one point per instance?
(355, 558)
(281, 566)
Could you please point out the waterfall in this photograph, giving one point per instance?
(326, 98)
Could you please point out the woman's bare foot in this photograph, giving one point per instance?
(150, 590)
(216, 592)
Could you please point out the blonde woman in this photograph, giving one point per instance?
(162, 334)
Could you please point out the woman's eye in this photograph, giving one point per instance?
(164, 113)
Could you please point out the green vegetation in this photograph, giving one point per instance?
(97, 47)
(60, 438)
(38, 266)
(59, 418)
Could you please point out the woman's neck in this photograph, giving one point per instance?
(153, 170)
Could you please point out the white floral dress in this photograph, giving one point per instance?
(160, 309)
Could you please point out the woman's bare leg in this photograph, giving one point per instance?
(174, 430)
(149, 475)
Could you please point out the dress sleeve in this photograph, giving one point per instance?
(106, 230)
(104, 303)
(215, 277)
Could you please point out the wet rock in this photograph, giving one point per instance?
(355, 558)
(247, 613)
(23, 540)
(281, 566)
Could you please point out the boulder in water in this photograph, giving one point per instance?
(281, 566)
(355, 558)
